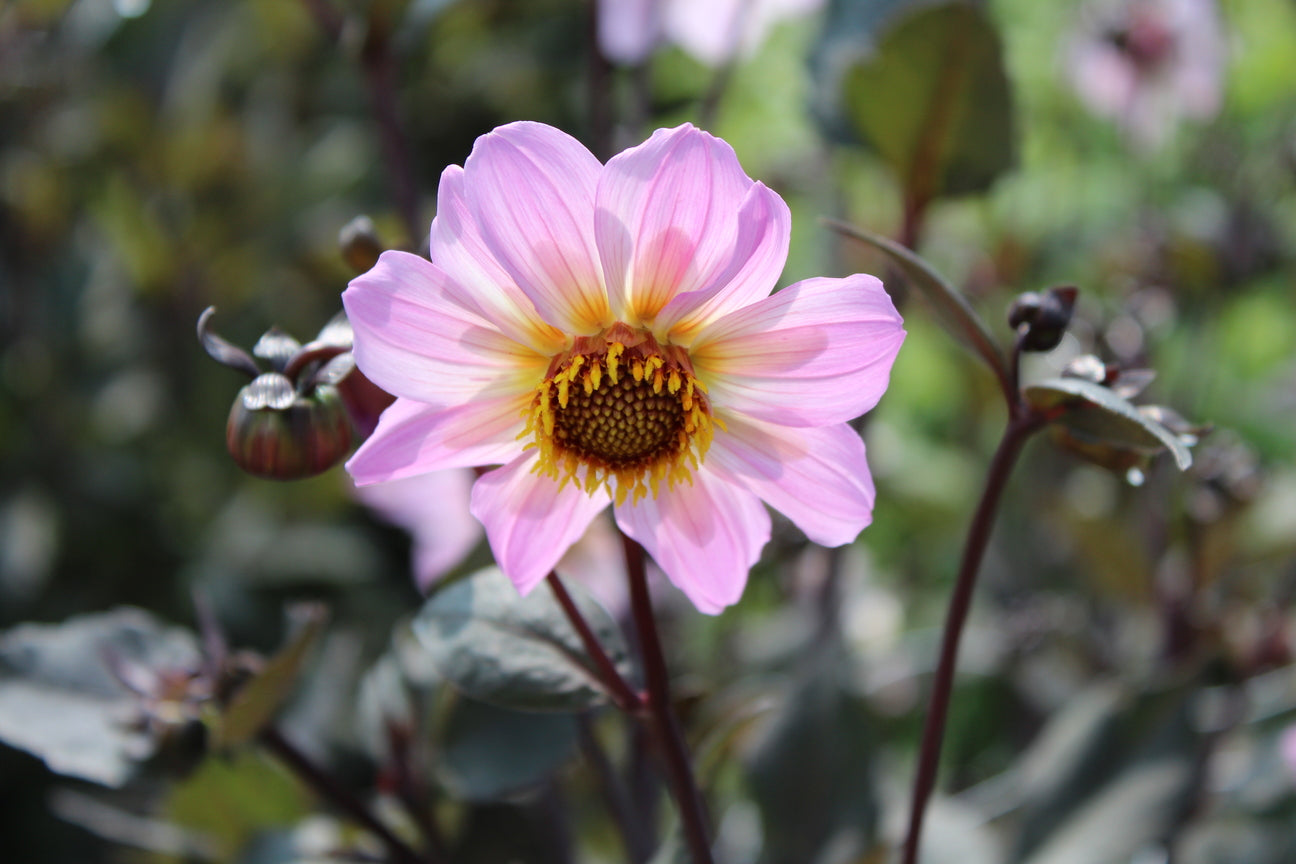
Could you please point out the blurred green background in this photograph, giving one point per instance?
(157, 158)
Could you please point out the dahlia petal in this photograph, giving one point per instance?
(816, 353)
(760, 250)
(415, 438)
(456, 246)
(530, 520)
(666, 217)
(705, 537)
(416, 338)
(817, 477)
(531, 188)
(433, 508)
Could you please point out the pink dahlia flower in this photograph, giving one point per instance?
(604, 334)
(712, 31)
(1147, 63)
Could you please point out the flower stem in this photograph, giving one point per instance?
(638, 847)
(661, 717)
(1020, 427)
(336, 794)
(622, 694)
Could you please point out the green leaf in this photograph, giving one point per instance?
(951, 309)
(850, 32)
(934, 102)
(230, 801)
(258, 701)
(1096, 415)
(517, 652)
(60, 702)
(1107, 753)
(1134, 811)
(486, 752)
(812, 774)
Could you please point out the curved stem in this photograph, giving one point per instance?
(661, 716)
(338, 795)
(1020, 427)
(621, 693)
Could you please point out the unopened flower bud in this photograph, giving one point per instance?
(1044, 318)
(280, 434)
(360, 244)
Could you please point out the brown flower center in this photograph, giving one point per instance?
(620, 411)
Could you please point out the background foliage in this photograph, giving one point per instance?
(1127, 680)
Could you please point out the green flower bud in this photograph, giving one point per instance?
(278, 433)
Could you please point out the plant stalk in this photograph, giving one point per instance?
(621, 693)
(338, 795)
(662, 721)
(1021, 425)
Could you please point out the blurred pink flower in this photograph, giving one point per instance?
(603, 332)
(1147, 63)
(713, 31)
(433, 510)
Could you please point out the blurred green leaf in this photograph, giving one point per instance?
(517, 652)
(258, 701)
(812, 774)
(60, 702)
(486, 753)
(1109, 755)
(1134, 811)
(232, 800)
(1096, 415)
(935, 103)
(951, 309)
(849, 34)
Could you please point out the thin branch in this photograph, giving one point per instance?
(622, 694)
(661, 715)
(338, 795)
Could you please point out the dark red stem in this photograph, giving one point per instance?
(661, 716)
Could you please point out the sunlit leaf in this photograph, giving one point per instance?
(1095, 414)
(517, 652)
(60, 702)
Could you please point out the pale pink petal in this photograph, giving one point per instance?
(816, 353)
(415, 337)
(705, 537)
(666, 214)
(415, 438)
(710, 31)
(817, 477)
(628, 30)
(717, 31)
(759, 253)
(530, 188)
(530, 521)
(433, 508)
(597, 562)
(457, 248)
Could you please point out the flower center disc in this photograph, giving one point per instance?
(621, 412)
(622, 424)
